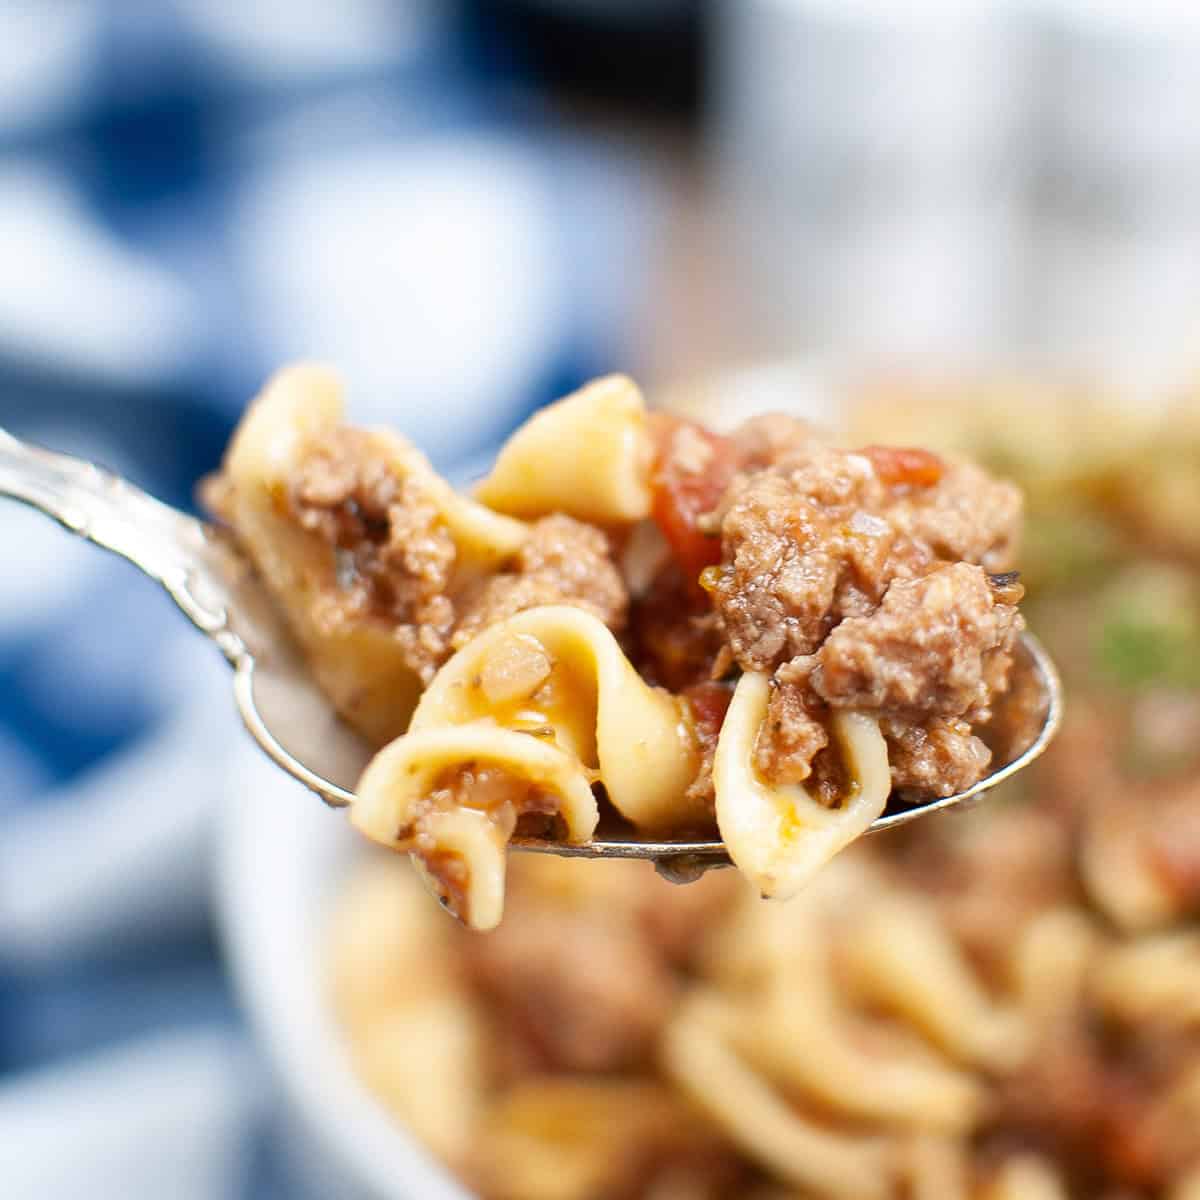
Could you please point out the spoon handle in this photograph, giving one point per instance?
(171, 547)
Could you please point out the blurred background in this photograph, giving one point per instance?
(469, 208)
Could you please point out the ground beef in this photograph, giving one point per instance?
(935, 646)
(930, 658)
(792, 735)
(564, 561)
(395, 561)
(820, 536)
(674, 636)
(938, 756)
(858, 580)
(393, 557)
(967, 515)
(707, 704)
(1101, 1108)
(794, 548)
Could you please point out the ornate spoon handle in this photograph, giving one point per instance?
(178, 551)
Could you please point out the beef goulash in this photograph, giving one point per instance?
(634, 618)
(999, 1005)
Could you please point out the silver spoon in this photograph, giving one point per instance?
(207, 576)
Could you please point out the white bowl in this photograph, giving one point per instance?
(281, 857)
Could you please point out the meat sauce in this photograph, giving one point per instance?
(854, 578)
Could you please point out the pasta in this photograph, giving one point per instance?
(548, 698)
(1123, 882)
(1026, 1177)
(1154, 980)
(420, 1044)
(697, 1056)
(557, 1139)
(588, 456)
(801, 1036)
(756, 636)
(778, 836)
(900, 959)
(1052, 962)
(809, 1065)
(934, 1168)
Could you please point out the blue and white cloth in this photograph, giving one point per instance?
(192, 192)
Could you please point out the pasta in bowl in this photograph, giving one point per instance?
(1002, 1006)
(635, 619)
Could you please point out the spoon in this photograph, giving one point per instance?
(217, 589)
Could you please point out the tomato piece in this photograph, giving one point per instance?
(692, 469)
(905, 465)
(675, 511)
